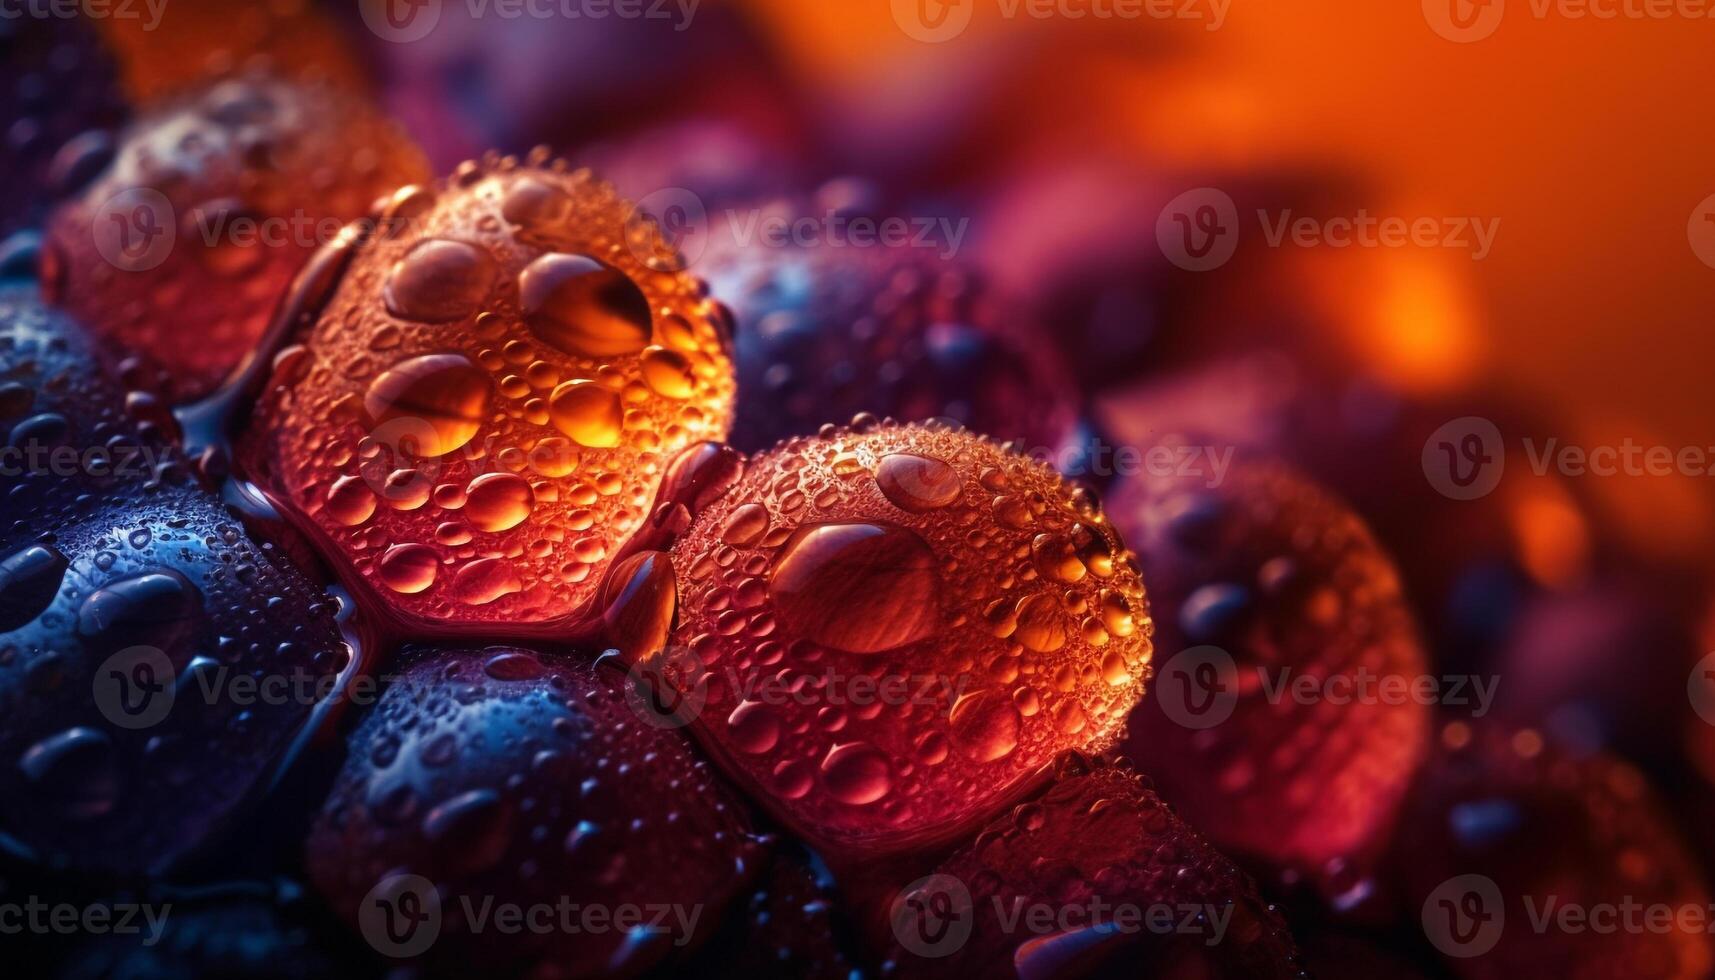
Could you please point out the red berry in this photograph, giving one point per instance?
(1095, 877)
(1261, 584)
(183, 245)
(1506, 831)
(496, 775)
(480, 416)
(890, 631)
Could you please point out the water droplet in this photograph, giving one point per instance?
(440, 399)
(588, 412)
(408, 568)
(1041, 624)
(754, 727)
(856, 773)
(583, 307)
(862, 588)
(77, 770)
(350, 501)
(29, 580)
(745, 525)
(485, 580)
(985, 726)
(158, 608)
(917, 483)
(638, 602)
(668, 373)
(498, 501)
(439, 281)
(1056, 559)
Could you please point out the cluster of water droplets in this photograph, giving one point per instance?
(898, 625)
(204, 209)
(483, 412)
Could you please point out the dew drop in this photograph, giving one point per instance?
(498, 501)
(439, 401)
(917, 483)
(862, 588)
(485, 580)
(985, 726)
(29, 580)
(408, 568)
(583, 307)
(856, 773)
(588, 412)
(668, 373)
(439, 281)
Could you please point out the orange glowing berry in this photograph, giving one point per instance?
(483, 410)
(895, 629)
(181, 248)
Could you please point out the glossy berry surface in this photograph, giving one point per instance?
(74, 433)
(827, 331)
(155, 666)
(1280, 619)
(890, 630)
(183, 245)
(62, 97)
(482, 412)
(1504, 823)
(501, 774)
(1105, 857)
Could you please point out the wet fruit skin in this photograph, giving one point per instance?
(61, 100)
(482, 413)
(499, 773)
(182, 246)
(791, 924)
(892, 630)
(1288, 583)
(72, 432)
(826, 331)
(1543, 822)
(1095, 840)
(155, 666)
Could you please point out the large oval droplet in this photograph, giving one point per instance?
(439, 281)
(985, 726)
(588, 412)
(435, 403)
(1041, 623)
(861, 588)
(408, 568)
(917, 483)
(638, 604)
(158, 608)
(485, 580)
(856, 773)
(498, 501)
(583, 307)
(29, 580)
(76, 771)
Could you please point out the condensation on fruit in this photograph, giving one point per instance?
(205, 210)
(897, 628)
(485, 396)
